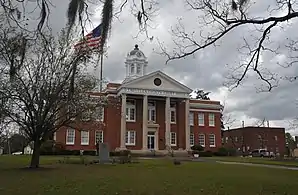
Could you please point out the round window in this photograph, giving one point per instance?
(157, 81)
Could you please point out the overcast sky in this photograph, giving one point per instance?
(207, 69)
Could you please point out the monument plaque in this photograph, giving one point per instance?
(104, 153)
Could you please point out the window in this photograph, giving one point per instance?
(132, 69)
(84, 137)
(130, 111)
(202, 140)
(138, 69)
(98, 114)
(54, 136)
(70, 136)
(192, 139)
(86, 115)
(236, 139)
(130, 138)
(191, 119)
(211, 120)
(211, 140)
(275, 138)
(72, 112)
(151, 111)
(201, 119)
(173, 139)
(173, 113)
(227, 139)
(98, 137)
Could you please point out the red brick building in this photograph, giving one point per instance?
(148, 112)
(249, 138)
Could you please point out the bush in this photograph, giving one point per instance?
(197, 148)
(226, 152)
(206, 153)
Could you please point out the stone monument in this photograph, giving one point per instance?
(104, 153)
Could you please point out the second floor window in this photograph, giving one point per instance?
(173, 113)
(130, 110)
(151, 111)
(211, 120)
(201, 119)
(191, 119)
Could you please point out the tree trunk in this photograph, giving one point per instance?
(36, 154)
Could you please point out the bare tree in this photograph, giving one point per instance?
(217, 19)
(45, 84)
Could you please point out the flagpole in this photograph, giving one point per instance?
(101, 67)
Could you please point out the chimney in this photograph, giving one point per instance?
(228, 128)
(242, 124)
(268, 123)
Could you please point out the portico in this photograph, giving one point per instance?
(151, 88)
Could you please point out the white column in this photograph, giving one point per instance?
(187, 127)
(145, 121)
(123, 122)
(168, 122)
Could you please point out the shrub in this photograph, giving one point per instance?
(197, 148)
(226, 152)
(206, 153)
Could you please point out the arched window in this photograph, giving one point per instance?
(132, 69)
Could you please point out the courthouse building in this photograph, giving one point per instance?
(148, 112)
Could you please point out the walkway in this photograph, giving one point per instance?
(260, 165)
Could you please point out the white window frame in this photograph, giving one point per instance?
(151, 111)
(68, 135)
(192, 139)
(173, 135)
(71, 110)
(100, 134)
(129, 107)
(85, 135)
(211, 119)
(128, 140)
(201, 135)
(99, 113)
(173, 116)
(191, 118)
(212, 145)
(86, 115)
(275, 138)
(201, 119)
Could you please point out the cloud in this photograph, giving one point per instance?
(207, 69)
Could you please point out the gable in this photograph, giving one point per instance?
(167, 83)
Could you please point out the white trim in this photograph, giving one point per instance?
(202, 105)
(150, 109)
(112, 95)
(87, 138)
(191, 116)
(54, 136)
(204, 139)
(201, 124)
(212, 146)
(202, 110)
(74, 136)
(127, 138)
(212, 119)
(100, 136)
(153, 92)
(175, 138)
(129, 107)
(173, 109)
(187, 89)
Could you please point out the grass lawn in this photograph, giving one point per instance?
(148, 177)
(267, 161)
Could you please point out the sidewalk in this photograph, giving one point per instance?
(260, 165)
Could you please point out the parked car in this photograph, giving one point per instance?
(262, 153)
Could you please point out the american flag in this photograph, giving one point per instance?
(91, 41)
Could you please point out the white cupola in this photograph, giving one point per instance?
(135, 63)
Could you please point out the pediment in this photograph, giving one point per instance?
(147, 82)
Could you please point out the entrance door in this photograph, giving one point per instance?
(151, 140)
